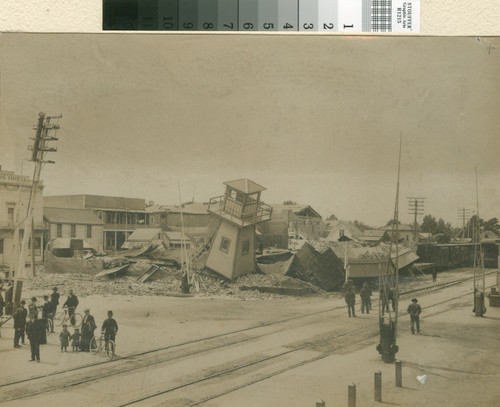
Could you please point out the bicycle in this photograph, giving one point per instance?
(62, 317)
(99, 344)
(49, 326)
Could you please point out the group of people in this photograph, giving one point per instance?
(27, 322)
(350, 298)
(386, 296)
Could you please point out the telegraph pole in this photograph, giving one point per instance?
(464, 215)
(39, 148)
(415, 207)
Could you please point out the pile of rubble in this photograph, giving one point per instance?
(168, 285)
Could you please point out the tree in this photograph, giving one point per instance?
(492, 224)
(444, 230)
(429, 224)
(332, 217)
(391, 222)
(289, 203)
(361, 225)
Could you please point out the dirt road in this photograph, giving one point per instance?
(219, 352)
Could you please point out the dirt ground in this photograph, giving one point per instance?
(456, 350)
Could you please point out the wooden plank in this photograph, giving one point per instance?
(113, 270)
(147, 275)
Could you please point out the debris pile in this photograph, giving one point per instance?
(246, 287)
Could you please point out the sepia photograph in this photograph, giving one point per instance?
(245, 220)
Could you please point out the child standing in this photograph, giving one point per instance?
(75, 339)
(64, 336)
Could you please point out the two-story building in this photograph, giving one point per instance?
(199, 224)
(290, 222)
(121, 216)
(15, 192)
(74, 224)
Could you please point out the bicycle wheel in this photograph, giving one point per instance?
(110, 350)
(49, 326)
(95, 344)
(59, 318)
(78, 320)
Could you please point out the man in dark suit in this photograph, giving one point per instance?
(54, 300)
(71, 302)
(88, 328)
(34, 331)
(19, 324)
(23, 320)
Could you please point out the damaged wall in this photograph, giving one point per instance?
(323, 269)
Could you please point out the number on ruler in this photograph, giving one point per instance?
(328, 26)
(268, 26)
(309, 26)
(207, 26)
(230, 25)
(188, 26)
(167, 23)
(288, 26)
(248, 26)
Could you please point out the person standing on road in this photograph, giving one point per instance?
(88, 328)
(54, 300)
(434, 275)
(19, 323)
(71, 302)
(64, 337)
(46, 315)
(33, 332)
(365, 295)
(33, 308)
(109, 328)
(350, 299)
(23, 320)
(414, 310)
(2, 304)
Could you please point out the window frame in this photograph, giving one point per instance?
(225, 247)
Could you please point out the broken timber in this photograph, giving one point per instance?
(114, 270)
(148, 274)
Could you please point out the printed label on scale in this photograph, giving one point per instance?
(345, 16)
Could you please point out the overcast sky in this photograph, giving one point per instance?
(315, 119)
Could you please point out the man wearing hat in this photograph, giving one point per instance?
(33, 308)
(54, 300)
(19, 324)
(88, 327)
(71, 303)
(33, 329)
(109, 327)
(414, 310)
(23, 320)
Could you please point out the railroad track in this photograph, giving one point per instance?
(149, 358)
(360, 335)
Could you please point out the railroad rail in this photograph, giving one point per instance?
(140, 360)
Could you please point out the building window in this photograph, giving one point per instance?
(224, 244)
(1, 246)
(245, 247)
(37, 241)
(89, 231)
(10, 215)
(73, 230)
(59, 230)
(152, 219)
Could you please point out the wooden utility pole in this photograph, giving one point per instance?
(39, 148)
(415, 207)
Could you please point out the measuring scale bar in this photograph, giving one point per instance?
(401, 16)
